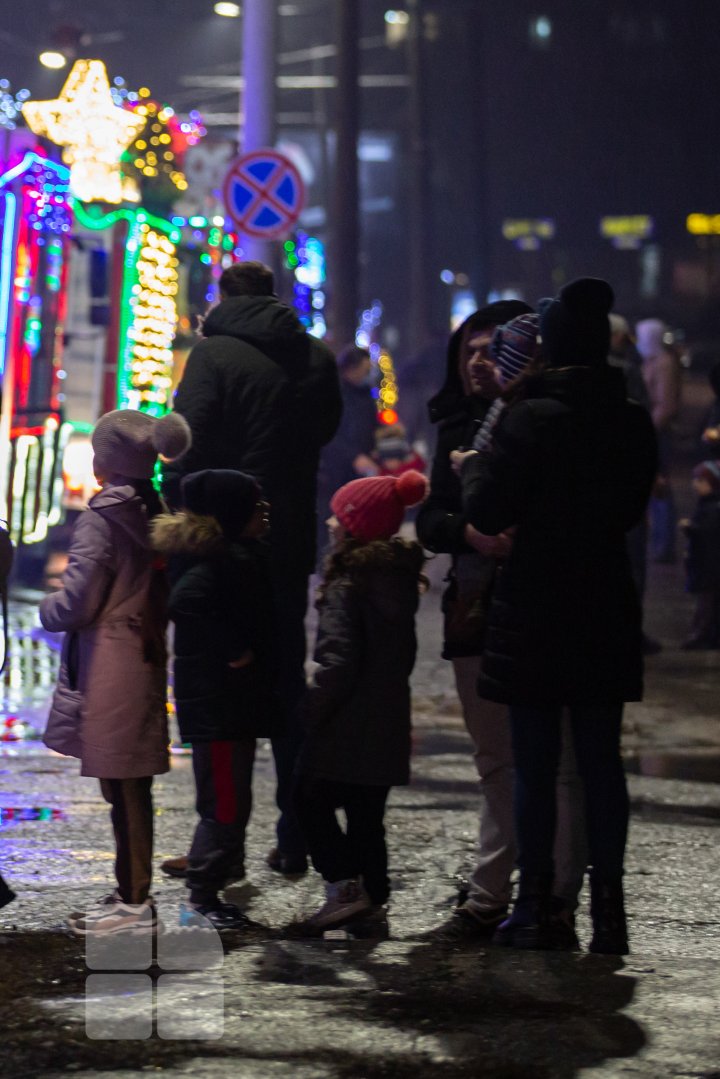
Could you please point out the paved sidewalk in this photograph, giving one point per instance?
(409, 1005)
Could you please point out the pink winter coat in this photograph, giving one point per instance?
(109, 707)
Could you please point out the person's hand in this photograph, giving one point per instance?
(490, 546)
(364, 465)
(244, 660)
(458, 459)
(711, 435)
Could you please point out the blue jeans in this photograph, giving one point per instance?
(536, 751)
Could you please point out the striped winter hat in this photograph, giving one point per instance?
(514, 346)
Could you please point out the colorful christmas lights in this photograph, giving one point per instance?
(148, 309)
(305, 256)
(93, 131)
(11, 105)
(386, 392)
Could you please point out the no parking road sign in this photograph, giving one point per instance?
(263, 194)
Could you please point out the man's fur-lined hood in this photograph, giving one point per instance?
(187, 533)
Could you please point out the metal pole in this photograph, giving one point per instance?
(418, 185)
(257, 97)
(344, 261)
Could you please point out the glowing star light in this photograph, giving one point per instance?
(93, 131)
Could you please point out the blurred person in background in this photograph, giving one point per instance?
(663, 378)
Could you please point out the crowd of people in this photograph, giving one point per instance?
(553, 438)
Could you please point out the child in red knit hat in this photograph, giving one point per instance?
(357, 743)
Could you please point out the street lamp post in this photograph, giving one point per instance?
(345, 225)
(257, 96)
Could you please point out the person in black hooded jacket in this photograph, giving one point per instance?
(571, 470)
(262, 396)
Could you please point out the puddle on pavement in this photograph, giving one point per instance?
(700, 766)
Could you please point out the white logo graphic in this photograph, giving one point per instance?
(180, 990)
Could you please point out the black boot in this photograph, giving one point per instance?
(607, 910)
(536, 923)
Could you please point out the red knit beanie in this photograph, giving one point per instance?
(373, 508)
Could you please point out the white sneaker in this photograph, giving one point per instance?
(344, 900)
(115, 917)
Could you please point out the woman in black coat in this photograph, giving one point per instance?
(571, 469)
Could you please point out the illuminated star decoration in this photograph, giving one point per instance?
(93, 131)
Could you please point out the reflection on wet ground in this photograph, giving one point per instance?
(29, 677)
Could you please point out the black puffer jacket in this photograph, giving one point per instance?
(358, 710)
(221, 604)
(572, 470)
(261, 396)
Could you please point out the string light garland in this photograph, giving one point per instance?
(154, 160)
(386, 392)
(93, 131)
(148, 308)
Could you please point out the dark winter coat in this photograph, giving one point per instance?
(109, 708)
(221, 604)
(702, 563)
(358, 709)
(441, 519)
(572, 469)
(261, 396)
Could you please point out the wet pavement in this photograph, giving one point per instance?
(409, 1005)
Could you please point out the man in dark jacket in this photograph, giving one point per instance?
(262, 396)
(571, 470)
(442, 526)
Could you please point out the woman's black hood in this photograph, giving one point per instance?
(451, 398)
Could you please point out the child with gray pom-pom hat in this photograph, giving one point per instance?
(109, 707)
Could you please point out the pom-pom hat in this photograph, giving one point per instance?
(373, 508)
(128, 443)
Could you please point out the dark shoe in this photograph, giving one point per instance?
(607, 910)
(220, 915)
(371, 924)
(467, 924)
(6, 893)
(177, 868)
(650, 647)
(287, 864)
(538, 923)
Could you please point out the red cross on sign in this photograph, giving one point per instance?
(263, 194)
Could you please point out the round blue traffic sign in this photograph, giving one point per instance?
(263, 194)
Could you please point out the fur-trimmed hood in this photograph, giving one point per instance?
(388, 572)
(188, 534)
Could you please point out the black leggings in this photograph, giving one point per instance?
(360, 851)
(536, 750)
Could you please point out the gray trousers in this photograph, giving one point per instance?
(488, 725)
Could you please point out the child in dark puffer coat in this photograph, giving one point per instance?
(224, 667)
(357, 742)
